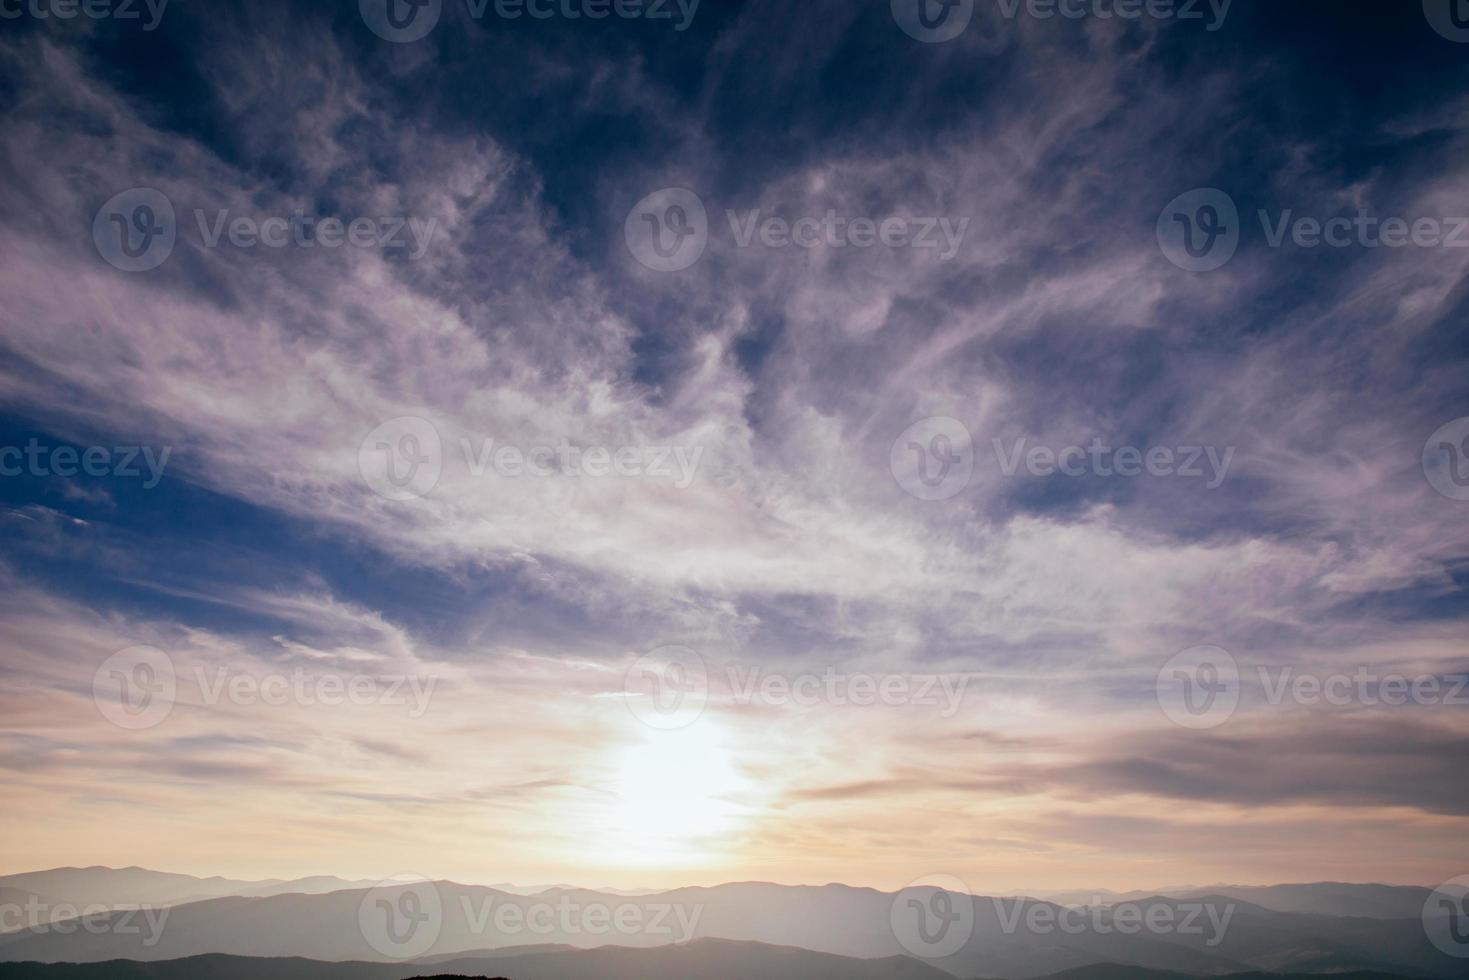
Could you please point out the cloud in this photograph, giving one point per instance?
(786, 373)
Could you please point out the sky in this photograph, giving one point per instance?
(836, 441)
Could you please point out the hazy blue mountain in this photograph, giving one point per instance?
(831, 919)
(1332, 898)
(1005, 940)
(1319, 898)
(709, 959)
(702, 960)
(139, 886)
(1111, 971)
(1285, 942)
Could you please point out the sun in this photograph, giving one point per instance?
(679, 797)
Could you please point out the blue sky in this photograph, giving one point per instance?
(785, 378)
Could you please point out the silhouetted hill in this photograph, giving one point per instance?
(1011, 938)
(1318, 898)
(98, 885)
(1111, 971)
(705, 960)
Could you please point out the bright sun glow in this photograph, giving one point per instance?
(679, 796)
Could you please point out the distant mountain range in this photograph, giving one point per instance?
(1325, 898)
(706, 959)
(758, 929)
(139, 886)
